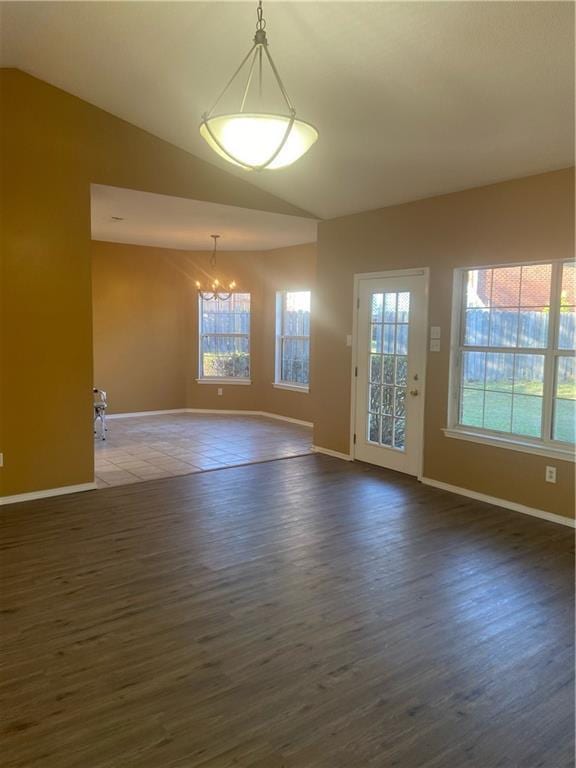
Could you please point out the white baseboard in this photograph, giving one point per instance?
(47, 493)
(550, 516)
(222, 411)
(335, 454)
(135, 414)
(286, 418)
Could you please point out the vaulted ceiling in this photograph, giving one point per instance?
(411, 99)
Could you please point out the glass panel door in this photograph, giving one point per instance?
(390, 346)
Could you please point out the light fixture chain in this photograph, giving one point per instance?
(215, 293)
(213, 257)
(261, 23)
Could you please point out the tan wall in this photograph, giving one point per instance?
(141, 328)
(146, 326)
(53, 146)
(522, 220)
(292, 269)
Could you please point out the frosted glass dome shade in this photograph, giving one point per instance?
(251, 140)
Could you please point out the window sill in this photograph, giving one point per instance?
(539, 449)
(216, 380)
(291, 387)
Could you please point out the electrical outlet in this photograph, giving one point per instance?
(220, 391)
(550, 474)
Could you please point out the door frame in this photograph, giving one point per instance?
(358, 278)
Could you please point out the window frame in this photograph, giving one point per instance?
(280, 338)
(238, 380)
(545, 445)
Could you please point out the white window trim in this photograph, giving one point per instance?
(278, 382)
(223, 379)
(538, 446)
(291, 387)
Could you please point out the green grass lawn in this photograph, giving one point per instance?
(520, 411)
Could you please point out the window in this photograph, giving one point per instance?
(513, 370)
(390, 314)
(293, 339)
(225, 338)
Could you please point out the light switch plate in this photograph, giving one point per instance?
(435, 331)
(349, 340)
(434, 345)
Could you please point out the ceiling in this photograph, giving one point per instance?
(174, 222)
(411, 99)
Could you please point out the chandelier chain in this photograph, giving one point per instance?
(216, 292)
(261, 23)
(213, 257)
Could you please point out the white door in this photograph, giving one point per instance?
(390, 357)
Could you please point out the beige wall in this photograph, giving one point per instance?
(291, 269)
(523, 220)
(140, 328)
(146, 326)
(53, 146)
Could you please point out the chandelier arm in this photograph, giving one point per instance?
(249, 80)
(280, 146)
(279, 80)
(215, 296)
(229, 83)
(260, 73)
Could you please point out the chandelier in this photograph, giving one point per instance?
(216, 291)
(257, 140)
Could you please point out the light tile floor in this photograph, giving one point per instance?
(149, 447)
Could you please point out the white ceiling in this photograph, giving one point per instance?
(411, 99)
(174, 222)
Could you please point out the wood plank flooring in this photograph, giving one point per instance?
(304, 613)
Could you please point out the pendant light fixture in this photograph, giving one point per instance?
(216, 289)
(258, 140)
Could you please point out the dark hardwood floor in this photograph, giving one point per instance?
(305, 613)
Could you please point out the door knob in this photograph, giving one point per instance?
(413, 392)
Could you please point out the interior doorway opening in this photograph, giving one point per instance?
(187, 379)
